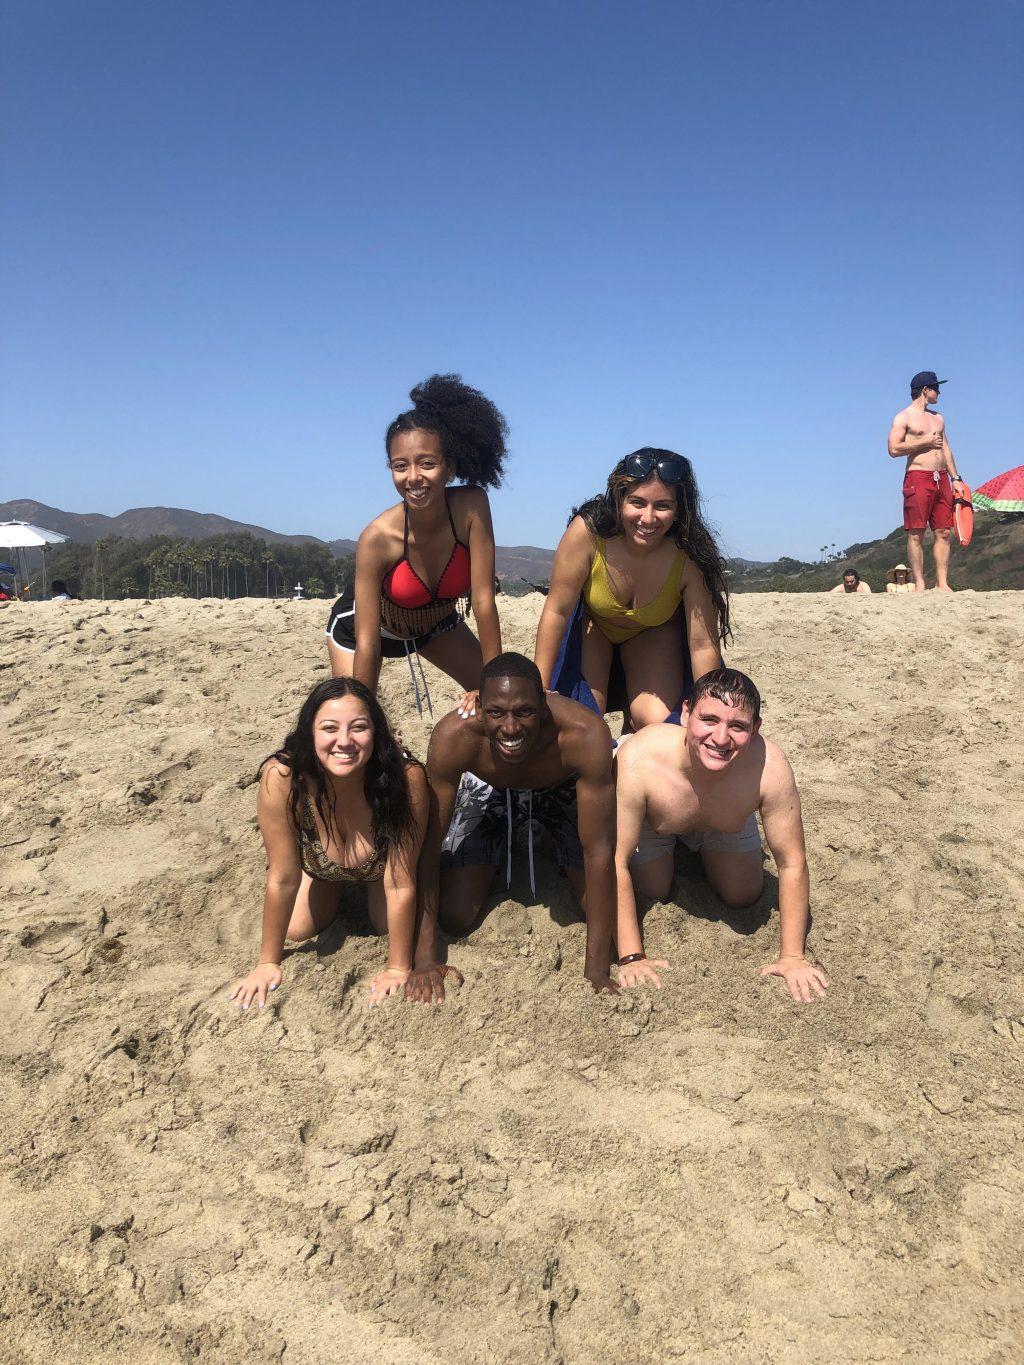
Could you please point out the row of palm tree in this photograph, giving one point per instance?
(223, 566)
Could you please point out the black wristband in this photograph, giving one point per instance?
(631, 957)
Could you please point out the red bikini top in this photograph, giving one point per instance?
(403, 586)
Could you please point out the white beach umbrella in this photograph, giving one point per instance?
(22, 535)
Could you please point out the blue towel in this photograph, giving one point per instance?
(568, 680)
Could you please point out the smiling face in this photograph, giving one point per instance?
(717, 732)
(512, 714)
(343, 736)
(418, 467)
(648, 511)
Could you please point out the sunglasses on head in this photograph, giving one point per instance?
(670, 469)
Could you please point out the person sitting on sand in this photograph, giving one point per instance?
(420, 559)
(704, 783)
(524, 758)
(899, 579)
(339, 802)
(852, 582)
(652, 582)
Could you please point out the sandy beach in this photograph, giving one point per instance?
(529, 1173)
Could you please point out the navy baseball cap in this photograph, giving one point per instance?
(926, 380)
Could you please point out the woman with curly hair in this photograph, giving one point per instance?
(339, 802)
(431, 551)
(643, 573)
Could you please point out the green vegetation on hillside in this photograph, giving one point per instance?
(237, 565)
(993, 560)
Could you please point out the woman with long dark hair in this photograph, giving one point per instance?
(650, 579)
(339, 802)
(420, 560)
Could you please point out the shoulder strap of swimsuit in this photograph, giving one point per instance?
(451, 519)
(405, 533)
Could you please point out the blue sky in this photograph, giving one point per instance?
(237, 234)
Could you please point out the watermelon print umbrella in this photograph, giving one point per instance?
(1004, 493)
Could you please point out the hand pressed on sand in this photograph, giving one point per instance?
(387, 982)
(264, 977)
(426, 984)
(800, 978)
(642, 972)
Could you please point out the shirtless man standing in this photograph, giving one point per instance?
(527, 757)
(918, 435)
(704, 781)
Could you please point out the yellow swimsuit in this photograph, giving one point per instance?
(618, 623)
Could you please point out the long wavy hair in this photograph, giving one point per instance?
(385, 784)
(471, 429)
(603, 517)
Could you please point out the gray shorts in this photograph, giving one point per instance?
(651, 845)
(478, 833)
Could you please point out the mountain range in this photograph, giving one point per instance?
(513, 561)
(995, 558)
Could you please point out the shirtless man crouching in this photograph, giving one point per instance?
(704, 781)
(533, 757)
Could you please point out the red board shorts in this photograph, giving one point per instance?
(927, 500)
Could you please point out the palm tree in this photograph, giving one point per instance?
(99, 549)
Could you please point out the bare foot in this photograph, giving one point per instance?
(944, 588)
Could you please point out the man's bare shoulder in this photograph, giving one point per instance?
(584, 738)
(652, 741)
(456, 740)
(777, 776)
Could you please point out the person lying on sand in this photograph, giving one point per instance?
(339, 802)
(852, 582)
(524, 757)
(704, 781)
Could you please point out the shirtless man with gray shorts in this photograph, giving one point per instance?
(705, 781)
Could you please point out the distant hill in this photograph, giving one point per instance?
(138, 523)
(514, 562)
(995, 558)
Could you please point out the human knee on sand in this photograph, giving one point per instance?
(522, 744)
(704, 782)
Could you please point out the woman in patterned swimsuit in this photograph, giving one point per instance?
(421, 558)
(339, 802)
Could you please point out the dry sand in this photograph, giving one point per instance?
(530, 1173)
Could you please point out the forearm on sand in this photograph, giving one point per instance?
(401, 912)
(628, 938)
(278, 904)
(794, 908)
(599, 871)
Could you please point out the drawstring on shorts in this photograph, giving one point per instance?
(529, 837)
(410, 650)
